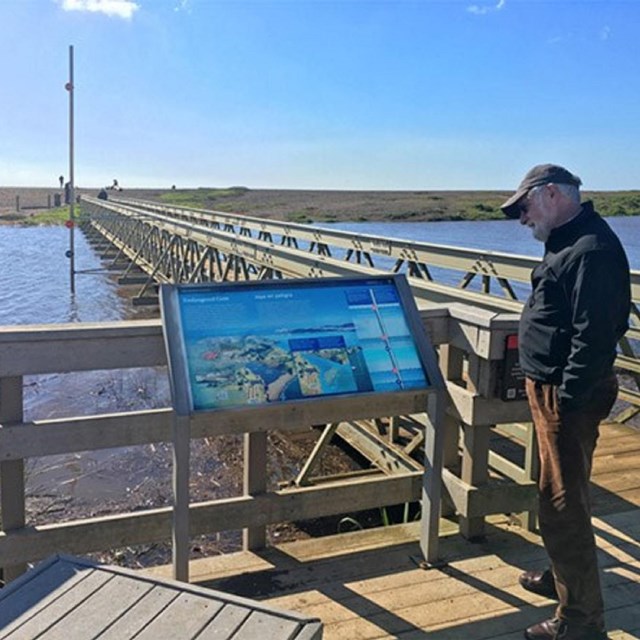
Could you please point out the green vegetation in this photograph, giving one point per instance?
(201, 198)
(616, 203)
(335, 206)
(300, 217)
(44, 217)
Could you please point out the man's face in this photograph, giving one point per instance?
(537, 213)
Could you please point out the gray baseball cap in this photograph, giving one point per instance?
(539, 175)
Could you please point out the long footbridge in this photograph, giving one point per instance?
(469, 304)
(150, 243)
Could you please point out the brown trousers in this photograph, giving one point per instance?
(566, 442)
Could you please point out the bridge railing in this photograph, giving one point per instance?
(471, 354)
(416, 258)
(171, 244)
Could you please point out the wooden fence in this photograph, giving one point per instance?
(477, 481)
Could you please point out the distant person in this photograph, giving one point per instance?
(173, 187)
(61, 179)
(115, 186)
(569, 329)
(103, 195)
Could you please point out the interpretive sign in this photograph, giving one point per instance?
(253, 343)
(248, 357)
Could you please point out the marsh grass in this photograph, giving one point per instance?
(46, 217)
(200, 197)
(306, 206)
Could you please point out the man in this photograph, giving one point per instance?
(578, 310)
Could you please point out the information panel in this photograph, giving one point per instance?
(253, 343)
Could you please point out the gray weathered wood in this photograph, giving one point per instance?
(81, 347)
(137, 617)
(185, 617)
(40, 622)
(70, 598)
(12, 496)
(474, 471)
(226, 623)
(92, 534)
(255, 483)
(101, 609)
(180, 528)
(28, 594)
(66, 435)
(432, 477)
(261, 625)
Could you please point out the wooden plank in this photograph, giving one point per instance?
(226, 623)
(254, 483)
(494, 496)
(80, 347)
(136, 618)
(12, 483)
(99, 610)
(263, 625)
(389, 459)
(188, 612)
(66, 435)
(471, 603)
(310, 631)
(31, 591)
(304, 413)
(93, 534)
(59, 606)
(475, 410)
(180, 520)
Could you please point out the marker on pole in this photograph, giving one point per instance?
(72, 196)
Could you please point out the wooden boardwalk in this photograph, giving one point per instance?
(367, 585)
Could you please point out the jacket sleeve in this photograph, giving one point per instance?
(593, 280)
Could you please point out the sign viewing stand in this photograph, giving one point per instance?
(250, 357)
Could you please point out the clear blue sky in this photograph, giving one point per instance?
(350, 94)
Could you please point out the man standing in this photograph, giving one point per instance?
(570, 325)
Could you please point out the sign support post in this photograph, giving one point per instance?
(180, 523)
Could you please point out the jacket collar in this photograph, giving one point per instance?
(566, 233)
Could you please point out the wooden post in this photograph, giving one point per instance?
(255, 482)
(475, 470)
(529, 519)
(180, 525)
(432, 478)
(451, 362)
(12, 494)
(17, 203)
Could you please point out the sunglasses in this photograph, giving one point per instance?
(525, 203)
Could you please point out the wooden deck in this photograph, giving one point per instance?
(68, 598)
(368, 584)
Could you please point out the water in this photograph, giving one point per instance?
(34, 272)
(34, 289)
(35, 280)
(507, 236)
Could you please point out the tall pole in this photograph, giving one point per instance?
(72, 195)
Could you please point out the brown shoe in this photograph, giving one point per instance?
(558, 629)
(540, 582)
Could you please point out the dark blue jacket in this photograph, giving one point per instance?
(578, 309)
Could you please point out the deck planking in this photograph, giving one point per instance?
(367, 585)
(67, 598)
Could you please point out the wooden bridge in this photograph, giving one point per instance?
(342, 581)
(150, 243)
